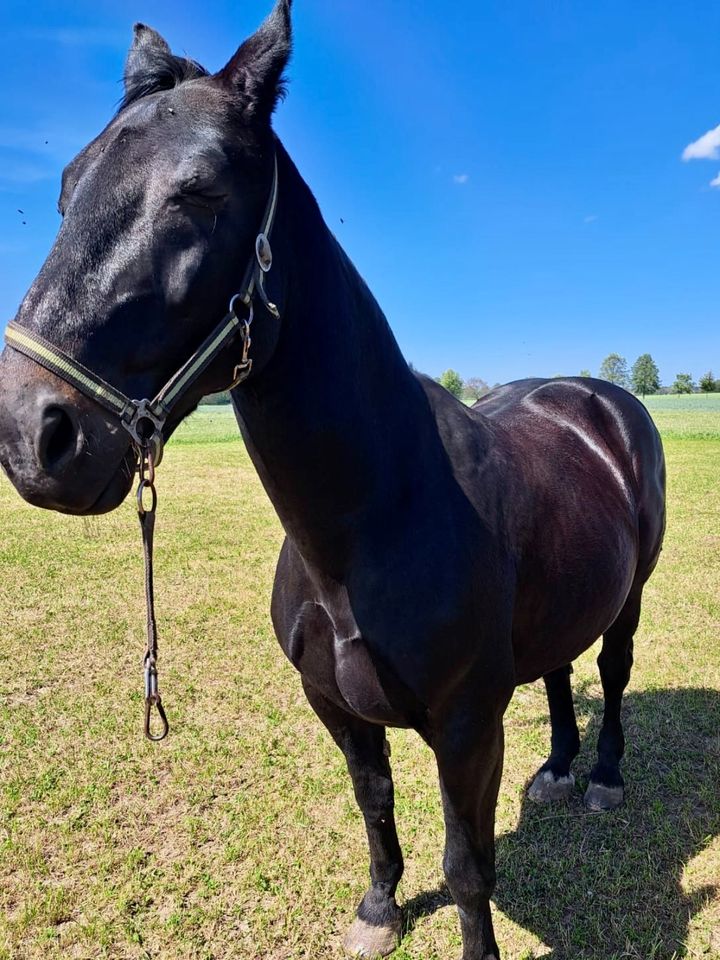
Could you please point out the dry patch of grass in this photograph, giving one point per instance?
(238, 838)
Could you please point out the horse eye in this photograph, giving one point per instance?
(199, 197)
(197, 206)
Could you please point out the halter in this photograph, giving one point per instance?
(145, 419)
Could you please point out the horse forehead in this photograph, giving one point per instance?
(166, 129)
(192, 109)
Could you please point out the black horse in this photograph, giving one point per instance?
(436, 556)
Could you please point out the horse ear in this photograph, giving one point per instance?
(148, 53)
(255, 73)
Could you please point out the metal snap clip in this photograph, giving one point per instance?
(153, 699)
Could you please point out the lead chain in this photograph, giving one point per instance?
(146, 514)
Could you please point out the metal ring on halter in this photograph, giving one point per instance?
(143, 415)
(142, 487)
(263, 253)
(233, 308)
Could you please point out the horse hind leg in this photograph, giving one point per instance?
(377, 927)
(607, 788)
(554, 781)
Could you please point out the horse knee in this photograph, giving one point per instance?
(375, 795)
(470, 878)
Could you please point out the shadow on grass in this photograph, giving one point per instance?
(608, 886)
(605, 886)
(424, 905)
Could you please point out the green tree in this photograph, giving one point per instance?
(453, 383)
(614, 369)
(707, 382)
(475, 387)
(585, 373)
(645, 376)
(683, 384)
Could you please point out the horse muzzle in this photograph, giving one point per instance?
(60, 451)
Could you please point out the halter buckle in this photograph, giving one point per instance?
(241, 373)
(242, 370)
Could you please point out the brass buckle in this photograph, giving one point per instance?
(242, 370)
(241, 373)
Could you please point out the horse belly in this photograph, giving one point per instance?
(561, 614)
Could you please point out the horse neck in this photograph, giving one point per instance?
(334, 422)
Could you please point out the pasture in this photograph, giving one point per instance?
(238, 838)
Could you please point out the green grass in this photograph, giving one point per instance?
(694, 416)
(238, 838)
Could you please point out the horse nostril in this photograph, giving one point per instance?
(58, 439)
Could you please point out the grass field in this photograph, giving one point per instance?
(238, 837)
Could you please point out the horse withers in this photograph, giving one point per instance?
(436, 556)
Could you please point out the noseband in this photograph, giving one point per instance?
(145, 419)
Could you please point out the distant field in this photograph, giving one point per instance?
(693, 416)
(238, 838)
(686, 416)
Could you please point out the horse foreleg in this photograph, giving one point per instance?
(607, 788)
(470, 757)
(377, 928)
(554, 781)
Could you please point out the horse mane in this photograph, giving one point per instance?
(168, 71)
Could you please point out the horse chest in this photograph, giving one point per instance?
(339, 664)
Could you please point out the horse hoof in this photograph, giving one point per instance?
(599, 797)
(547, 788)
(364, 940)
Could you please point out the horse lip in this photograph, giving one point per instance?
(119, 482)
(112, 494)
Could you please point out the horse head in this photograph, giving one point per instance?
(160, 216)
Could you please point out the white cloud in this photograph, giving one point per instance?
(706, 148)
(590, 219)
(716, 181)
(461, 178)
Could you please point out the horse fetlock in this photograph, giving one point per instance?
(549, 788)
(378, 907)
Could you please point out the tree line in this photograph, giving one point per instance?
(642, 378)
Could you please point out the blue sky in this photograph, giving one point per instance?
(510, 173)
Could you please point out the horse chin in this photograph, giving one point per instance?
(112, 495)
(80, 502)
